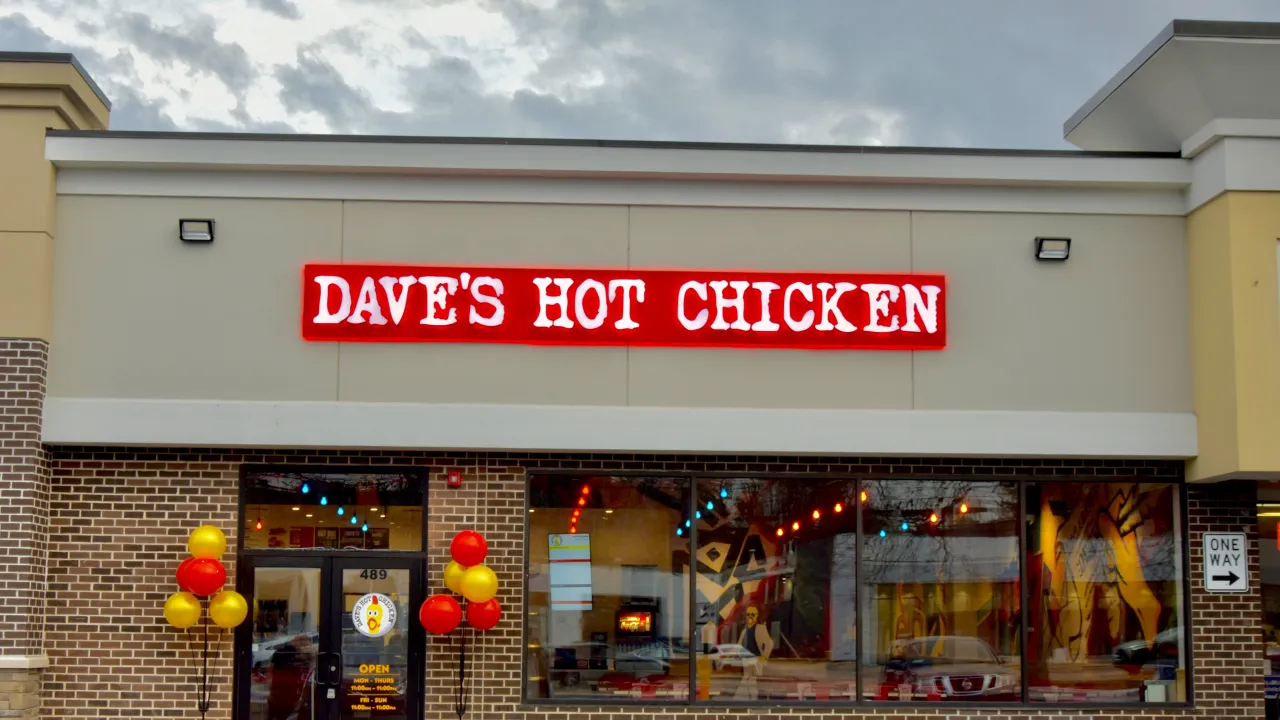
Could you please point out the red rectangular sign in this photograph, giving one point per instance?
(673, 308)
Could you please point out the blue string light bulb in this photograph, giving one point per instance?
(305, 488)
(679, 531)
(905, 526)
(709, 505)
(342, 511)
(353, 519)
(698, 515)
(724, 493)
(883, 533)
(364, 527)
(324, 501)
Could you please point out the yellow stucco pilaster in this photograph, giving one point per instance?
(37, 92)
(1235, 335)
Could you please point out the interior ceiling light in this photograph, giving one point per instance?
(1052, 248)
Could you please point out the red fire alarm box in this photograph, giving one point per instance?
(454, 478)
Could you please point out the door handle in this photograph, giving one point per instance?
(330, 669)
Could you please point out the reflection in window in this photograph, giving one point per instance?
(1104, 570)
(608, 589)
(333, 510)
(775, 590)
(940, 591)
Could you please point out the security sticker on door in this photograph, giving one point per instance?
(1226, 568)
(374, 615)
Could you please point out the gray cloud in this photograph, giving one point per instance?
(995, 73)
(284, 8)
(192, 44)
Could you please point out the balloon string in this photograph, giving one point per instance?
(204, 674)
(460, 705)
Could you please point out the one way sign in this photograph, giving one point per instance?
(1226, 567)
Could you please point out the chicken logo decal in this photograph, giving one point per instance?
(374, 615)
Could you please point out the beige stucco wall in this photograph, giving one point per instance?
(138, 314)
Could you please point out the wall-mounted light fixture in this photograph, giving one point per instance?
(1052, 248)
(195, 230)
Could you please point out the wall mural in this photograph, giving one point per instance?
(1103, 571)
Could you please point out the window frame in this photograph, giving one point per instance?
(1023, 480)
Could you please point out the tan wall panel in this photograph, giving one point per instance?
(1105, 331)
(26, 178)
(139, 314)
(462, 233)
(772, 240)
(26, 272)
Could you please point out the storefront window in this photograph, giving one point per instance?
(775, 615)
(1105, 592)
(608, 615)
(941, 599)
(334, 510)
(792, 590)
(1269, 565)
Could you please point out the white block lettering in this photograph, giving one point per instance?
(545, 300)
(396, 304)
(367, 303)
(926, 306)
(736, 303)
(806, 320)
(438, 291)
(701, 319)
(764, 324)
(831, 306)
(499, 310)
(626, 323)
(324, 317)
(588, 285)
(880, 296)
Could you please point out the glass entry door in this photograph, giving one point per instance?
(330, 638)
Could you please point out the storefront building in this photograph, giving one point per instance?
(750, 430)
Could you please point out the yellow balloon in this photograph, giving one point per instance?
(228, 609)
(207, 541)
(479, 584)
(182, 610)
(453, 573)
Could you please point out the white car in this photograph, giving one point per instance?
(730, 655)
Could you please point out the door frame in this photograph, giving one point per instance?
(325, 560)
(330, 622)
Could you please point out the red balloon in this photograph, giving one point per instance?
(483, 616)
(182, 574)
(440, 614)
(202, 576)
(468, 548)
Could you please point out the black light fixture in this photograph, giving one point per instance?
(195, 230)
(1049, 248)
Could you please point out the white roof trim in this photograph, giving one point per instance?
(1215, 130)
(578, 191)
(610, 161)
(209, 423)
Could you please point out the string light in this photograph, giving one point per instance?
(582, 502)
(905, 526)
(964, 508)
(839, 507)
(863, 496)
(780, 531)
(795, 526)
(679, 531)
(364, 527)
(586, 489)
(697, 515)
(883, 533)
(724, 493)
(709, 505)
(258, 525)
(341, 511)
(305, 488)
(816, 514)
(324, 501)
(933, 518)
(687, 523)
(353, 519)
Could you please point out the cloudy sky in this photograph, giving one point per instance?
(981, 73)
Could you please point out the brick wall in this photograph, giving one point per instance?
(120, 519)
(24, 496)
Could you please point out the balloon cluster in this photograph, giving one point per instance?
(200, 576)
(467, 575)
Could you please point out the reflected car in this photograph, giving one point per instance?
(1136, 653)
(729, 655)
(951, 667)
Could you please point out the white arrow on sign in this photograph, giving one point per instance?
(1226, 562)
